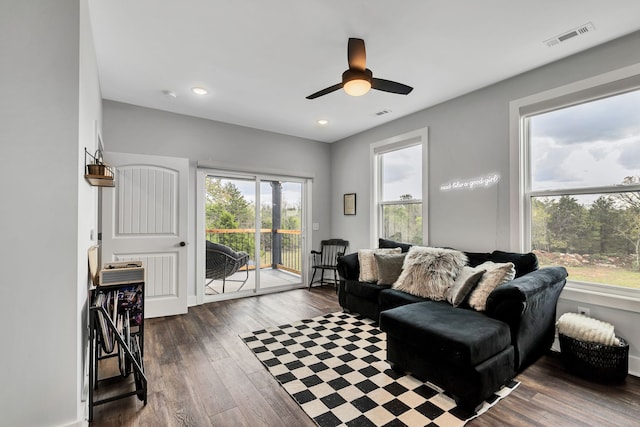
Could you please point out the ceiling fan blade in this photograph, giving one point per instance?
(357, 54)
(389, 86)
(325, 91)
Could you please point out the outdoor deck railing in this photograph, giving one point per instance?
(279, 249)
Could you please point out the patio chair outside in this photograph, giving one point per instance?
(222, 262)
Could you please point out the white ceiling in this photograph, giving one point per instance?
(259, 59)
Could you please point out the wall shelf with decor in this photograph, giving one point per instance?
(96, 172)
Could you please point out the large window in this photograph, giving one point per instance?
(582, 187)
(398, 180)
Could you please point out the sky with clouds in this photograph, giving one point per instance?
(401, 173)
(588, 145)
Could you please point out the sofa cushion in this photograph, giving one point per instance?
(386, 243)
(464, 284)
(389, 267)
(391, 298)
(496, 275)
(368, 266)
(365, 290)
(477, 258)
(455, 336)
(349, 266)
(430, 272)
(524, 263)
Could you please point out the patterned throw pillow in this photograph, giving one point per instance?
(430, 272)
(496, 275)
(368, 266)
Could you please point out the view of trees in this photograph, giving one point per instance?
(227, 208)
(402, 222)
(608, 230)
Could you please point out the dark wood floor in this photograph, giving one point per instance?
(201, 374)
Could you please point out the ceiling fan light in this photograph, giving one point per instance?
(357, 87)
(199, 90)
(356, 82)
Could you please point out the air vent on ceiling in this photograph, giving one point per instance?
(583, 29)
(383, 112)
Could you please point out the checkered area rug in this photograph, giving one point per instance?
(334, 367)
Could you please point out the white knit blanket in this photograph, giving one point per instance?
(585, 328)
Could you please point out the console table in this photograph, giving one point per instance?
(116, 329)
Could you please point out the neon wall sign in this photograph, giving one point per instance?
(483, 181)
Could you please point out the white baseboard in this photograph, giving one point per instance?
(634, 366)
(192, 300)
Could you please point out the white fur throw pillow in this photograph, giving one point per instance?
(368, 265)
(496, 275)
(430, 272)
(585, 328)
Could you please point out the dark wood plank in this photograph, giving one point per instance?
(202, 374)
(549, 396)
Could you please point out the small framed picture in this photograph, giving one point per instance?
(350, 204)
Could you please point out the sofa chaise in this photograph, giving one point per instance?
(469, 353)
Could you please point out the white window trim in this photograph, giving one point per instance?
(416, 137)
(617, 81)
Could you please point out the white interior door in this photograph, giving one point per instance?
(144, 217)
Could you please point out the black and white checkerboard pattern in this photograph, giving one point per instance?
(334, 367)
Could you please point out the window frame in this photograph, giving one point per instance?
(405, 140)
(605, 85)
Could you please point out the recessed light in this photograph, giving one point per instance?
(199, 90)
(323, 122)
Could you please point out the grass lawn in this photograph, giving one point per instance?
(604, 275)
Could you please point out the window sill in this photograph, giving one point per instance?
(602, 295)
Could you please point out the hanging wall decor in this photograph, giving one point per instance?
(350, 204)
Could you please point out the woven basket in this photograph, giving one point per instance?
(593, 361)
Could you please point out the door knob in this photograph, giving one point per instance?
(183, 244)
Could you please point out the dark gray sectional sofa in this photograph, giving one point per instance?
(468, 353)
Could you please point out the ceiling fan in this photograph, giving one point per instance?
(358, 79)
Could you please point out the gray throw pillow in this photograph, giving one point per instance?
(389, 267)
(368, 268)
(465, 282)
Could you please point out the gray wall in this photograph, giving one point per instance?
(134, 129)
(47, 208)
(50, 101)
(469, 137)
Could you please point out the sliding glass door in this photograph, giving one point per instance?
(253, 234)
(230, 220)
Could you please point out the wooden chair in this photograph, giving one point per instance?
(327, 260)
